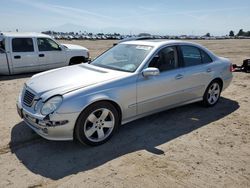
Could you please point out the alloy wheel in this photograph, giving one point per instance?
(99, 125)
(213, 93)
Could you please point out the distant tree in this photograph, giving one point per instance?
(231, 33)
(208, 35)
(241, 32)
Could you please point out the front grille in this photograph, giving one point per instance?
(28, 98)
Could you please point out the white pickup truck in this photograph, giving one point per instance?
(35, 52)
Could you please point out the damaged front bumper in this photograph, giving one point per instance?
(52, 127)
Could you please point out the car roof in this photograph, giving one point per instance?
(159, 42)
(135, 38)
(156, 43)
(23, 34)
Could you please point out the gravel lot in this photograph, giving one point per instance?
(190, 146)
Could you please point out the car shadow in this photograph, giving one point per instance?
(17, 76)
(56, 160)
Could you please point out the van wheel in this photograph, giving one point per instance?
(97, 124)
(212, 94)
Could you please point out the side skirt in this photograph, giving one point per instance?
(124, 121)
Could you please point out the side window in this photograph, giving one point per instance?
(191, 55)
(2, 46)
(22, 45)
(46, 44)
(167, 59)
(205, 57)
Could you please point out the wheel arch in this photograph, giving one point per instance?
(76, 60)
(220, 81)
(115, 104)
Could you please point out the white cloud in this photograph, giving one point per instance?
(77, 15)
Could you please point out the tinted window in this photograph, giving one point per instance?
(191, 55)
(45, 44)
(22, 45)
(205, 57)
(166, 59)
(2, 46)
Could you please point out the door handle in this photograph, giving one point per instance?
(41, 55)
(179, 76)
(209, 70)
(17, 57)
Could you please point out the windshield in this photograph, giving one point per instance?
(124, 57)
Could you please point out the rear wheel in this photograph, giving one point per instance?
(97, 124)
(212, 94)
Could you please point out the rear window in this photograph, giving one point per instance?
(205, 57)
(22, 45)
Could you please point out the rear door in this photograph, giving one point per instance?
(198, 70)
(23, 55)
(50, 55)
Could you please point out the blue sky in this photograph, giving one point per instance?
(130, 16)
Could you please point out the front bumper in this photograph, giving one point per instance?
(57, 127)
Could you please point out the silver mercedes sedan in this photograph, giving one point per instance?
(89, 102)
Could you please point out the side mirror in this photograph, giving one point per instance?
(150, 71)
(60, 48)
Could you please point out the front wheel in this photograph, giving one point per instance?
(212, 94)
(97, 124)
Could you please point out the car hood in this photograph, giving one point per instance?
(66, 79)
(74, 47)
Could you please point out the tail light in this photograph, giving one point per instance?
(231, 68)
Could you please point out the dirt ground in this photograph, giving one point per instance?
(190, 146)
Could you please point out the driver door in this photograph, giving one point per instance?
(164, 90)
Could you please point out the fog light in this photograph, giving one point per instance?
(61, 122)
(47, 123)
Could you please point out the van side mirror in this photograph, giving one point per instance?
(150, 71)
(2, 50)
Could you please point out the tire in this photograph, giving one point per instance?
(77, 60)
(97, 124)
(212, 94)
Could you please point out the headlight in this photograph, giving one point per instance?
(22, 92)
(51, 105)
